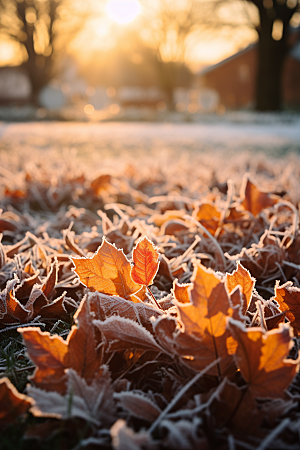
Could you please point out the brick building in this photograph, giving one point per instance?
(234, 78)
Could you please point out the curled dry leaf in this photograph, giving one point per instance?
(145, 258)
(261, 358)
(241, 277)
(254, 200)
(12, 403)
(107, 271)
(288, 298)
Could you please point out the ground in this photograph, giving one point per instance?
(165, 366)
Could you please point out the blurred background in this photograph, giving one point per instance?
(100, 60)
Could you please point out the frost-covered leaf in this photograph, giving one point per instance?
(261, 358)
(145, 258)
(288, 298)
(52, 355)
(254, 200)
(107, 271)
(241, 277)
(204, 319)
(138, 405)
(208, 215)
(104, 306)
(122, 333)
(93, 403)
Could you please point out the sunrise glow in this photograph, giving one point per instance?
(123, 11)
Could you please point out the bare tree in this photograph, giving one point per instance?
(168, 28)
(38, 25)
(273, 46)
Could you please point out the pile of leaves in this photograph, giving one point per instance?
(148, 311)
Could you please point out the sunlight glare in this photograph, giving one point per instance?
(123, 11)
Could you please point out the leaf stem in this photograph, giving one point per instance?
(153, 298)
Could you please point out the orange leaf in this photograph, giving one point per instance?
(52, 355)
(208, 216)
(107, 271)
(260, 356)
(145, 258)
(204, 320)
(288, 298)
(49, 353)
(12, 403)
(181, 292)
(254, 200)
(241, 277)
(160, 219)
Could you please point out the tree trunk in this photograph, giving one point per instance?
(39, 71)
(271, 56)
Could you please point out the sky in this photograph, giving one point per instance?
(110, 19)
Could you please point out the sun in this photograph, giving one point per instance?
(123, 11)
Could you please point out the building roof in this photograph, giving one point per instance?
(294, 52)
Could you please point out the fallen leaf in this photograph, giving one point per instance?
(138, 405)
(107, 271)
(208, 215)
(123, 334)
(241, 277)
(204, 335)
(288, 298)
(145, 258)
(254, 200)
(181, 292)
(101, 183)
(261, 358)
(104, 306)
(12, 403)
(49, 354)
(92, 403)
(52, 355)
(160, 219)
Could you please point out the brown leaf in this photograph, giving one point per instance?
(145, 258)
(122, 334)
(288, 298)
(101, 183)
(12, 403)
(11, 310)
(138, 405)
(51, 280)
(261, 358)
(107, 271)
(104, 306)
(82, 354)
(232, 406)
(49, 354)
(52, 355)
(204, 319)
(254, 200)
(241, 277)
(92, 403)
